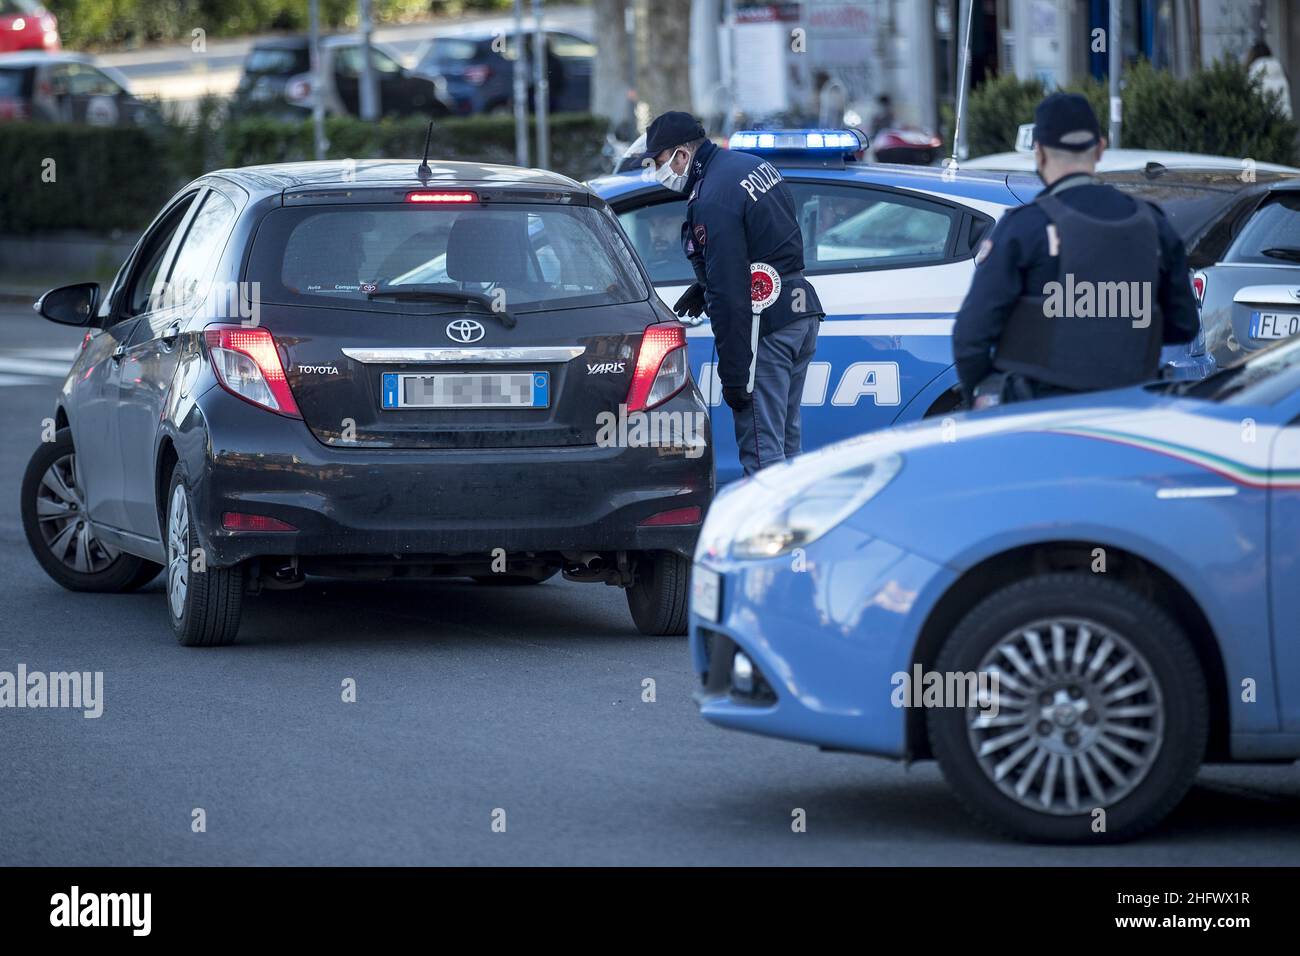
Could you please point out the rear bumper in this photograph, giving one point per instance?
(404, 504)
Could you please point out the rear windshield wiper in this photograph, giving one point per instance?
(416, 293)
(1289, 253)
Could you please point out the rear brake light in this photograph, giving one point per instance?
(660, 367)
(12, 109)
(477, 74)
(442, 196)
(247, 364)
(238, 521)
(676, 516)
(1198, 286)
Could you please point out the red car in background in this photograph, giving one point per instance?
(26, 25)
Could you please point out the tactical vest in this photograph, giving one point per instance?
(1100, 327)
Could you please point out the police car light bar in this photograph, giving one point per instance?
(796, 140)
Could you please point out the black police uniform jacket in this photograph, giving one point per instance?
(740, 211)
(1077, 232)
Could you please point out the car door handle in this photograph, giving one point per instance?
(169, 336)
(119, 352)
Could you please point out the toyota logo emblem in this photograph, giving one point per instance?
(465, 331)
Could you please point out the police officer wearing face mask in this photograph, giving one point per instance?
(1077, 290)
(740, 212)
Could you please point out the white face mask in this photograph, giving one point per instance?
(674, 181)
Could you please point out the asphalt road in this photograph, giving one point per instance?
(468, 700)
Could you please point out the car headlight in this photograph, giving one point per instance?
(802, 514)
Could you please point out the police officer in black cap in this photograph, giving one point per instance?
(740, 213)
(1077, 290)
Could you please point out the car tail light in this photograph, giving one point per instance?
(675, 516)
(238, 521)
(1198, 286)
(661, 370)
(438, 196)
(247, 364)
(478, 74)
(11, 109)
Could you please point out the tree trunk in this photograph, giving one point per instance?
(663, 57)
(612, 72)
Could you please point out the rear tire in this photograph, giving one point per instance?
(658, 597)
(203, 605)
(62, 541)
(1134, 703)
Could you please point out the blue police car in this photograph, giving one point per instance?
(890, 251)
(1071, 604)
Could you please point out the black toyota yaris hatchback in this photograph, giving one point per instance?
(369, 369)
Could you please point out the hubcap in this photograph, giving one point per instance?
(61, 515)
(1080, 717)
(178, 551)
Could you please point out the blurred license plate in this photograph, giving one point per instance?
(706, 593)
(467, 390)
(1274, 325)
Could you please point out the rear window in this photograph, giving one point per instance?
(1272, 235)
(277, 61)
(450, 50)
(529, 257)
(13, 83)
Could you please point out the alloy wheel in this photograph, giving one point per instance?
(1080, 716)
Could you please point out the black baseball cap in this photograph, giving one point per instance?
(1066, 121)
(671, 129)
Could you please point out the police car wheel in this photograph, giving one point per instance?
(1101, 713)
(62, 540)
(203, 603)
(659, 593)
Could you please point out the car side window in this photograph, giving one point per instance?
(846, 228)
(383, 63)
(88, 81)
(567, 46)
(656, 234)
(145, 283)
(204, 241)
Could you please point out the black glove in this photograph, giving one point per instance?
(737, 397)
(692, 301)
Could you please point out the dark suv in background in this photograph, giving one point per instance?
(478, 67)
(358, 371)
(277, 80)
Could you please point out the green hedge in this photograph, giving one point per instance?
(103, 179)
(102, 23)
(1218, 110)
(576, 141)
(110, 179)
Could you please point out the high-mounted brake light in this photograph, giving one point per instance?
(247, 364)
(660, 367)
(442, 196)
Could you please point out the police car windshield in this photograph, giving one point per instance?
(1262, 378)
(525, 257)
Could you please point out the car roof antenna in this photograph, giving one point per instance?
(424, 172)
